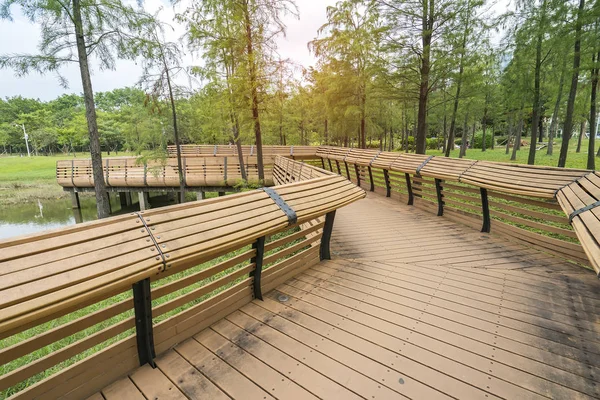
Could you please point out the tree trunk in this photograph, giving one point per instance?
(591, 161)
(465, 135)
(581, 134)
(484, 124)
(519, 133)
(568, 126)
(510, 134)
(326, 132)
(427, 20)
(254, 94)
(176, 133)
(537, 83)
(554, 123)
(102, 199)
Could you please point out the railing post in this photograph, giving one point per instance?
(324, 252)
(347, 170)
(142, 305)
(438, 190)
(485, 206)
(372, 189)
(337, 163)
(259, 246)
(388, 186)
(411, 197)
(357, 170)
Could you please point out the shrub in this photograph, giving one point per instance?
(434, 143)
(479, 140)
(411, 144)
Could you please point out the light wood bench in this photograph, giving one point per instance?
(48, 276)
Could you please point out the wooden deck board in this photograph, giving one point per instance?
(411, 306)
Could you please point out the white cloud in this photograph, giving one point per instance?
(21, 36)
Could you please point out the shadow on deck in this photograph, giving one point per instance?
(411, 306)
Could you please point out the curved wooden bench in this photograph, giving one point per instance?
(576, 190)
(49, 275)
(580, 200)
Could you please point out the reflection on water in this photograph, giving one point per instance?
(22, 219)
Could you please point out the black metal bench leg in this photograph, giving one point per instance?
(142, 304)
(324, 251)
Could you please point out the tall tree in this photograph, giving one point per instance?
(101, 29)
(162, 62)
(350, 40)
(415, 27)
(568, 125)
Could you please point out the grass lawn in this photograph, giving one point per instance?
(574, 159)
(27, 179)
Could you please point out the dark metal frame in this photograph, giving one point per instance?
(388, 186)
(440, 197)
(337, 163)
(372, 189)
(291, 214)
(324, 251)
(259, 246)
(485, 207)
(347, 170)
(357, 170)
(411, 197)
(142, 305)
(330, 167)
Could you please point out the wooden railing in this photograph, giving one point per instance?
(195, 150)
(203, 166)
(219, 171)
(516, 201)
(83, 305)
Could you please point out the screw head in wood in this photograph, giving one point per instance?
(283, 298)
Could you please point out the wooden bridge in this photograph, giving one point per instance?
(477, 289)
(205, 169)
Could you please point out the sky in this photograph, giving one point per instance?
(21, 36)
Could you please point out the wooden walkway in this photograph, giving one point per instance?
(411, 306)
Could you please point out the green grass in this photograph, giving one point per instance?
(574, 159)
(29, 179)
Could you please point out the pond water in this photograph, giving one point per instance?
(22, 219)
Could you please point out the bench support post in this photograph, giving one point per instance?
(75, 200)
(347, 171)
(221, 194)
(337, 163)
(142, 304)
(323, 163)
(411, 197)
(259, 246)
(123, 199)
(324, 251)
(371, 179)
(144, 200)
(485, 207)
(330, 167)
(388, 186)
(357, 170)
(438, 190)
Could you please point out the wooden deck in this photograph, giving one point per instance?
(412, 306)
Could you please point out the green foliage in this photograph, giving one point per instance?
(477, 143)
